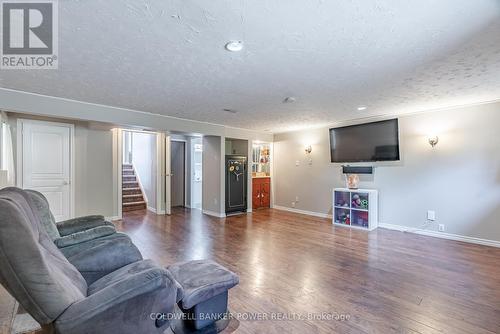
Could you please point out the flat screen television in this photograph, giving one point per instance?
(375, 141)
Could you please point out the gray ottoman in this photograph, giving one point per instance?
(205, 286)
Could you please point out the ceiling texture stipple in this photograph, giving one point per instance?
(169, 57)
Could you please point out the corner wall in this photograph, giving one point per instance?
(459, 178)
(212, 199)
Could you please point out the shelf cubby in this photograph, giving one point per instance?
(356, 208)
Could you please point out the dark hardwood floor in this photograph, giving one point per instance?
(303, 268)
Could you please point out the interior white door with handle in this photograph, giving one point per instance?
(46, 163)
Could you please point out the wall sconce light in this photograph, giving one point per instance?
(308, 149)
(433, 140)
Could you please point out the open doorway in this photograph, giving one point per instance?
(196, 172)
(139, 170)
(178, 173)
(185, 171)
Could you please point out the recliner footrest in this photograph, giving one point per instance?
(205, 286)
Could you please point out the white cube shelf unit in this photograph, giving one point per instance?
(356, 208)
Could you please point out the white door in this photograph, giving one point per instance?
(46, 163)
(168, 176)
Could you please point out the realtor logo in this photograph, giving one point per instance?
(29, 34)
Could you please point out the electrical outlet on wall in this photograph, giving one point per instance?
(441, 227)
(293, 204)
(431, 215)
(297, 163)
(296, 198)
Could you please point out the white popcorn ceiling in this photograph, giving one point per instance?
(168, 57)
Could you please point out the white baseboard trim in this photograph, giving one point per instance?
(113, 218)
(214, 214)
(304, 212)
(153, 210)
(449, 236)
(160, 212)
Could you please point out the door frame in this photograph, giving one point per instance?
(118, 153)
(191, 172)
(185, 167)
(19, 155)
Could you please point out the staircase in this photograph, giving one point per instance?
(132, 198)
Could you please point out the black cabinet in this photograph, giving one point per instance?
(236, 183)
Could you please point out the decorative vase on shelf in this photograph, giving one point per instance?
(352, 181)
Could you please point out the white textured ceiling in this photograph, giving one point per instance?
(168, 57)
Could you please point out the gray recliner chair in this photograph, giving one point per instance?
(53, 291)
(73, 231)
(91, 244)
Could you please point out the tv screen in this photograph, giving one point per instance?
(376, 141)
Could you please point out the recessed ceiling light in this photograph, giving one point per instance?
(289, 99)
(361, 108)
(234, 46)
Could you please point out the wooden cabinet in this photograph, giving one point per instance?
(261, 192)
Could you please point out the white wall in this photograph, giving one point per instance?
(144, 160)
(31, 103)
(212, 180)
(236, 146)
(94, 171)
(459, 178)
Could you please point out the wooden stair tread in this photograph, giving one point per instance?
(133, 203)
(132, 196)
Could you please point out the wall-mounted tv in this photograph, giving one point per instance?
(375, 141)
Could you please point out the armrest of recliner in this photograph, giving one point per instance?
(79, 224)
(129, 305)
(83, 236)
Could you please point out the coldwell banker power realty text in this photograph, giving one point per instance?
(29, 34)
